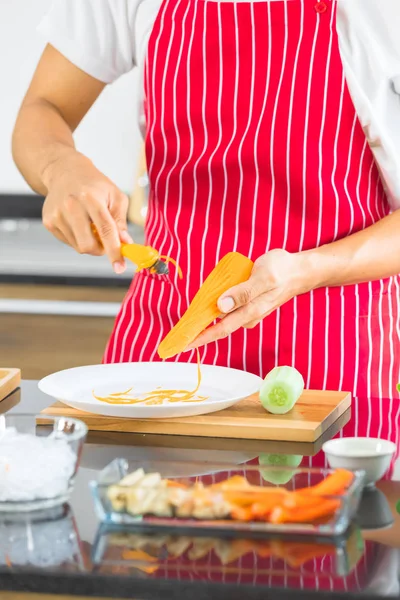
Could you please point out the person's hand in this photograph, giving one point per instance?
(277, 277)
(79, 196)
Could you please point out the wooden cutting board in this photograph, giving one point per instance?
(10, 380)
(313, 414)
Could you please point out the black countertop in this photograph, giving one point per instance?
(71, 554)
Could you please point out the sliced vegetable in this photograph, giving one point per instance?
(304, 515)
(234, 268)
(239, 513)
(279, 460)
(333, 485)
(281, 389)
(142, 494)
(300, 500)
(269, 501)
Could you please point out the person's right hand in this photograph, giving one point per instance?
(80, 196)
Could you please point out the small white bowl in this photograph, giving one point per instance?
(371, 455)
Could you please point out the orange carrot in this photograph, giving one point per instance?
(304, 515)
(261, 512)
(176, 484)
(245, 498)
(241, 514)
(300, 500)
(333, 485)
(237, 481)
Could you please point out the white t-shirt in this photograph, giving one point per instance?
(107, 38)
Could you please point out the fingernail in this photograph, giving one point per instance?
(125, 237)
(119, 267)
(226, 304)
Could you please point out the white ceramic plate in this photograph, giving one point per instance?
(223, 387)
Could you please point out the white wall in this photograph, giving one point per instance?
(108, 135)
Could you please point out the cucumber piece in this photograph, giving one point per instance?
(275, 476)
(281, 389)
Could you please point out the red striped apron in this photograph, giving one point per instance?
(253, 143)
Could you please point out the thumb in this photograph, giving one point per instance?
(241, 294)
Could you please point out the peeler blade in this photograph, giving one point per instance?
(159, 268)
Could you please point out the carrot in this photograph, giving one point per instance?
(300, 500)
(333, 485)
(232, 269)
(261, 512)
(239, 513)
(245, 498)
(175, 484)
(237, 482)
(304, 515)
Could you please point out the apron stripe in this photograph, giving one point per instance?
(127, 309)
(201, 155)
(271, 155)
(189, 158)
(260, 328)
(143, 296)
(320, 148)
(204, 241)
(240, 152)
(335, 160)
(273, 130)
(288, 183)
(346, 179)
(153, 119)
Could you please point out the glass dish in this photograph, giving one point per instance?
(128, 550)
(296, 478)
(38, 462)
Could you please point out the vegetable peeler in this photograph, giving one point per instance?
(145, 257)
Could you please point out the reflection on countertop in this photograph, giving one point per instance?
(29, 253)
(70, 552)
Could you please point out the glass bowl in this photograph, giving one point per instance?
(39, 459)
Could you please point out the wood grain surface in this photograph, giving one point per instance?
(10, 380)
(310, 418)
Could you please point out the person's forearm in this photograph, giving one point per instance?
(368, 255)
(41, 138)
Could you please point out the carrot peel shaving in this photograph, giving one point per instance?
(157, 396)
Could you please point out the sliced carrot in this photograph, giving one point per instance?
(176, 484)
(246, 499)
(333, 485)
(261, 511)
(237, 481)
(241, 514)
(300, 500)
(304, 515)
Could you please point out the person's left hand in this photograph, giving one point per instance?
(277, 277)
